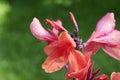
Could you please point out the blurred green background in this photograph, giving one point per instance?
(21, 55)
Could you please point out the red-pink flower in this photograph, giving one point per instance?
(104, 36)
(115, 76)
(59, 47)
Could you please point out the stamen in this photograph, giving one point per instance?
(78, 42)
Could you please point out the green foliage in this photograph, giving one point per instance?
(21, 55)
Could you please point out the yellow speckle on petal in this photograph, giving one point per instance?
(61, 58)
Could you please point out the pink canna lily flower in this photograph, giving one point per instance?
(104, 36)
(59, 47)
(115, 76)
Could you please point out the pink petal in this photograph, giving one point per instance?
(91, 48)
(111, 44)
(51, 47)
(56, 24)
(77, 60)
(54, 62)
(112, 38)
(80, 75)
(64, 42)
(39, 32)
(59, 22)
(112, 51)
(79, 66)
(105, 25)
(115, 76)
(55, 29)
(58, 52)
